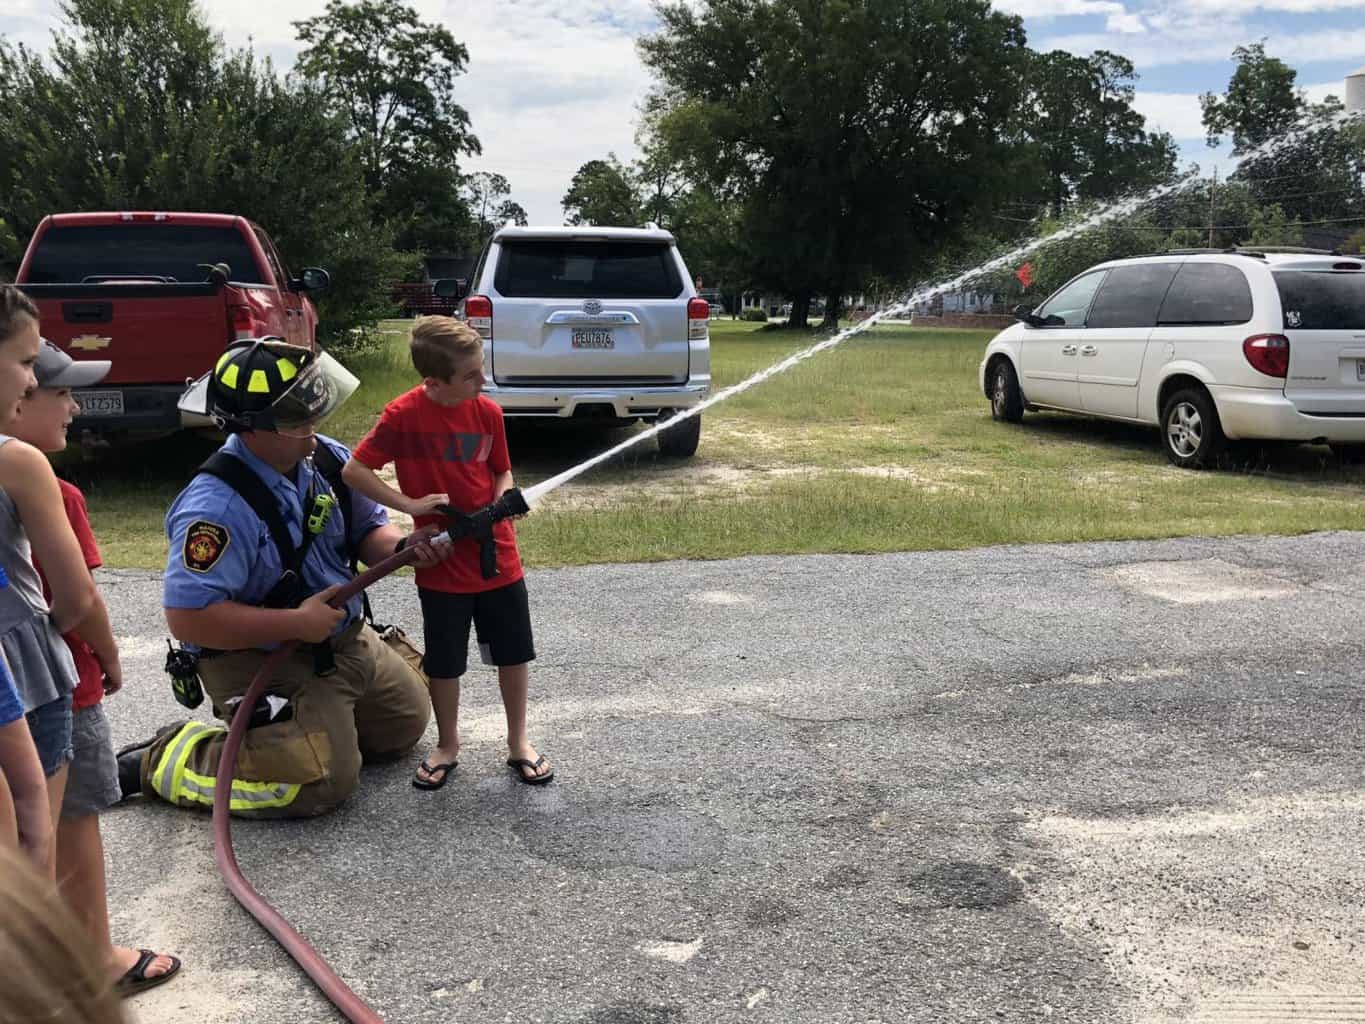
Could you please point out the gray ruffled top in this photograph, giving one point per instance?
(38, 656)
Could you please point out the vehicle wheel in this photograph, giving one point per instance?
(1190, 431)
(1349, 454)
(1007, 401)
(680, 441)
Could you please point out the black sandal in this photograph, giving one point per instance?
(135, 979)
(531, 780)
(432, 769)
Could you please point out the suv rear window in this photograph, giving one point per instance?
(1207, 294)
(1322, 300)
(80, 252)
(554, 269)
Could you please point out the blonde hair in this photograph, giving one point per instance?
(439, 343)
(52, 973)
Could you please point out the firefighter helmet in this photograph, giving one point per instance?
(269, 384)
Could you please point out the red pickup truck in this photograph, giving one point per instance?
(160, 295)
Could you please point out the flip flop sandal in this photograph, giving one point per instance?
(531, 780)
(136, 980)
(432, 769)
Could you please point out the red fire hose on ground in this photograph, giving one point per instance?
(351, 1005)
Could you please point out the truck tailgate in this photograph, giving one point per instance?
(151, 333)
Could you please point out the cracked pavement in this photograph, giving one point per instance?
(1095, 782)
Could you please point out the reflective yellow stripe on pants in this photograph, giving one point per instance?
(175, 782)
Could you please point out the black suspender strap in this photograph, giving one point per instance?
(288, 592)
(326, 462)
(254, 491)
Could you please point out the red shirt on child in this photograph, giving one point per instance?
(455, 450)
(90, 687)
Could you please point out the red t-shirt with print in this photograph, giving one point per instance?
(90, 687)
(455, 450)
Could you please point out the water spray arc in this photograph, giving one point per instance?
(538, 491)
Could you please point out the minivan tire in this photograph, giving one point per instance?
(1190, 430)
(681, 441)
(1007, 401)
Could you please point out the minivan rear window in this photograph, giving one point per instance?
(1322, 300)
(567, 269)
(91, 252)
(1206, 294)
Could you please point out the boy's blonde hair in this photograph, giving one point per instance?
(439, 343)
(51, 971)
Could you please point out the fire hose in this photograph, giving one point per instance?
(511, 503)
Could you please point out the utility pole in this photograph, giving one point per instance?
(1213, 189)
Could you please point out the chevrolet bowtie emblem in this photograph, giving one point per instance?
(90, 342)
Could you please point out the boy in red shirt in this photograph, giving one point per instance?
(92, 781)
(449, 447)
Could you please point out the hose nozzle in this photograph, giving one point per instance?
(472, 524)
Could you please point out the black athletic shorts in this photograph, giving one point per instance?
(502, 625)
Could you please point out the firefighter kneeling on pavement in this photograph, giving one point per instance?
(259, 541)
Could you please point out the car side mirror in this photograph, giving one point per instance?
(1025, 315)
(450, 288)
(313, 279)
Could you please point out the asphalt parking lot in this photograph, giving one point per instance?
(1089, 783)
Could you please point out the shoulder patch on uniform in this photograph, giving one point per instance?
(205, 543)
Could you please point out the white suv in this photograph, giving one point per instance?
(590, 322)
(1206, 344)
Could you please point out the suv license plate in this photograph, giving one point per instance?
(1360, 369)
(593, 337)
(99, 403)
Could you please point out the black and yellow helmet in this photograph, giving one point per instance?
(269, 384)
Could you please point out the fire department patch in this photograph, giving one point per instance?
(204, 544)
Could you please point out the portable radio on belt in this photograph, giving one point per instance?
(323, 506)
(183, 668)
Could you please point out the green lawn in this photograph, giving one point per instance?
(883, 444)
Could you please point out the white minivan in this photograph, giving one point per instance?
(599, 323)
(1208, 345)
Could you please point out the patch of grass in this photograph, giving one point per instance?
(884, 443)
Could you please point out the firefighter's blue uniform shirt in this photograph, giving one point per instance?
(221, 551)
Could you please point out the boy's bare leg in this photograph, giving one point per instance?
(515, 683)
(445, 703)
(80, 874)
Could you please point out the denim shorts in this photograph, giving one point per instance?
(50, 725)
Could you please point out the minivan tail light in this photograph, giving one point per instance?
(1268, 353)
(698, 320)
(478, 313)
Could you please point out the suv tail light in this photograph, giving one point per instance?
(478, 313)
(698, 320)
(1268, 353)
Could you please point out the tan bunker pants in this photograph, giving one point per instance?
(374, 707)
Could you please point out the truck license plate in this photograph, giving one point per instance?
(593, 337)
(99, 403)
